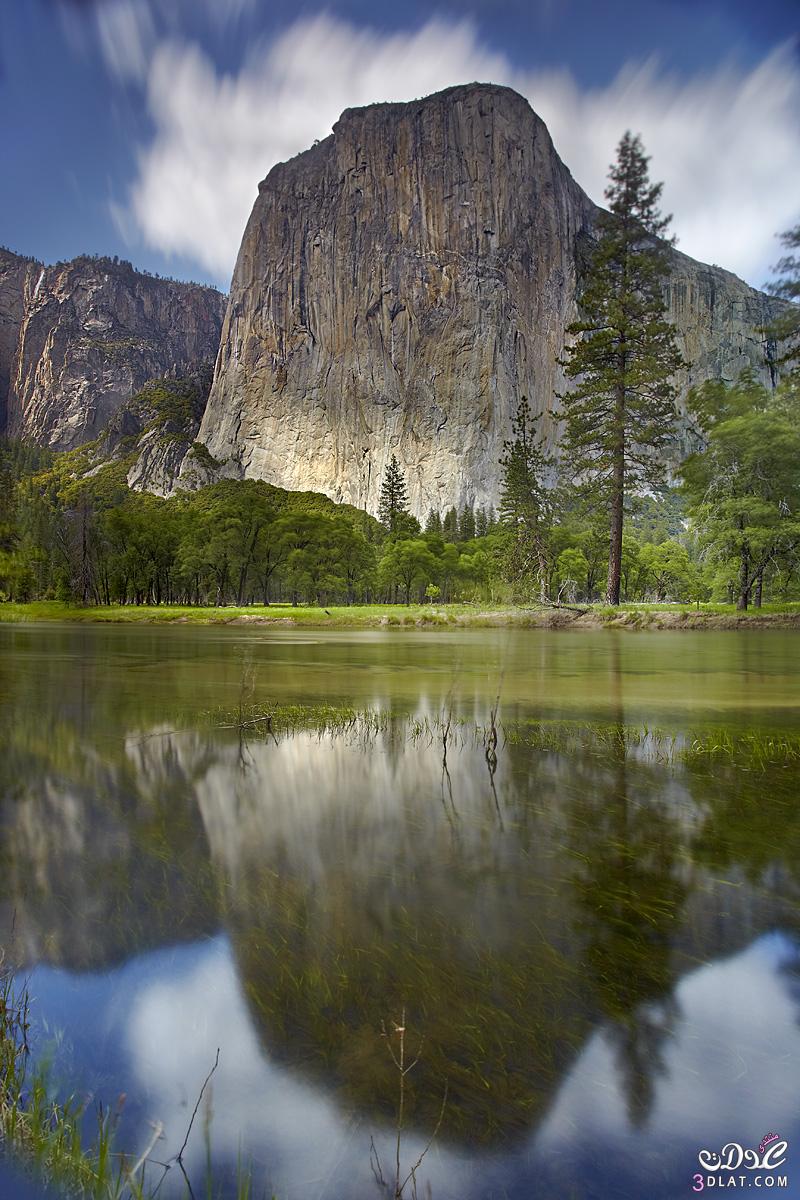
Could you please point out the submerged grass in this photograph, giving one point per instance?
(45, 1135)
(753, 749)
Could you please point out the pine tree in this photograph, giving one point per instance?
(394, 498)
(434, 522)
(450, 525)
(621, 416)
(480, 523)
(466, 524)
(787, 326)
(525, 503)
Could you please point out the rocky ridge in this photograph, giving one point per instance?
(78, 339)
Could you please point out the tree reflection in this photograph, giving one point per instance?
(630, 900)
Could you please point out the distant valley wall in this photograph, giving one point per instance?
(78, 339)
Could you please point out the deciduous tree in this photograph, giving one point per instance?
(744, 486)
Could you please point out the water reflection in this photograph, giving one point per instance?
(729, 1070)
(585, 937)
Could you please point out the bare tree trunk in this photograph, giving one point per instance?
(615, 544)
(744, 587)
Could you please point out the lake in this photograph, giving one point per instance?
(592, 944)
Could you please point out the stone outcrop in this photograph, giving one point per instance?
(403, 283)
(17, 277)
(78, 339)
(155, 433)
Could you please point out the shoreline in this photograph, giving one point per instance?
(458, 616)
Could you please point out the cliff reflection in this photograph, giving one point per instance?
(349, 891)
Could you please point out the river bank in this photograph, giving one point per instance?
(634, 616)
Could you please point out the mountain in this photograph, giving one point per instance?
(400, 286)
(78, 339)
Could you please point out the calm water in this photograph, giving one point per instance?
(598, 945)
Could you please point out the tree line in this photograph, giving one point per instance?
(610, 519)
(92, 540)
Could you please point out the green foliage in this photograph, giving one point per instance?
(526, 504)
(671, 572)
(407, 564)
(394, 497)
(73, 531)
(466, 524)
(787, 286)
(174, 404)
(620, 416)
(450, 525)
(433, 523)
(656, 518)
(204, 456)
(744, 487)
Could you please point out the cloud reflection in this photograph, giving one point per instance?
(730, 1073)
(306, 1142)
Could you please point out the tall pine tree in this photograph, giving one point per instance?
(394, 498)
(450, 525)
(787, 286)
(621, 416)
(525, 503)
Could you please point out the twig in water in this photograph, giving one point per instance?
(445, 768)
(403, 1068)
(412, 1174)
(491, 753)
(179, 1155)
(158, 1132)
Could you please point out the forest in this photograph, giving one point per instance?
(646, 499)
(727, 524)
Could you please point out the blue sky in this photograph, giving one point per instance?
(142, 127)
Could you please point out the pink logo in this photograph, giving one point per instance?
(727, 1167)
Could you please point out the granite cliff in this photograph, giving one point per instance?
(78, 339)
(404, 282)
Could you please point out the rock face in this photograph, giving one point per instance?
(79, 338)
(403, 283)
(17, 277)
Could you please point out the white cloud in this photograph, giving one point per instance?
(126, 33)
(218, 135)
(727, 143)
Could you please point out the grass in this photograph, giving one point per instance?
(369, 616)
(753, 750)
(45, 1135)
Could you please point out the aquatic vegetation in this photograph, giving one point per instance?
(46, 1136)
(753, 749)
(327, 831)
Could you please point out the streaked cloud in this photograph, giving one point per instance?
(126, 32)
(726, 142)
